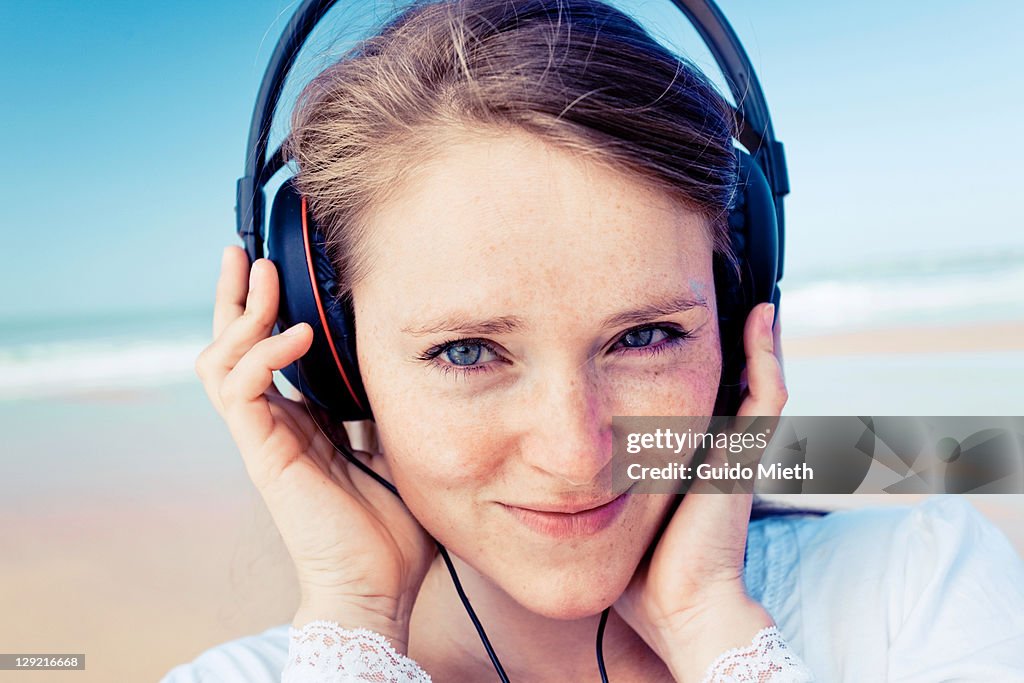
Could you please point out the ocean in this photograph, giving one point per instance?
(948, 289)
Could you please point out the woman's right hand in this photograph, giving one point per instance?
(360, 556)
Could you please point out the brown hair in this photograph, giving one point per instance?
(578, 74)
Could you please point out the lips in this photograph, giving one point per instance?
(567, 508)
(564, 520)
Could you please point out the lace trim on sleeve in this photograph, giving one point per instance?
(324, 652)
(766, 660)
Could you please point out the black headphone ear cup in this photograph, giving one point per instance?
(730, 301)
(751, 280)
(328, 374)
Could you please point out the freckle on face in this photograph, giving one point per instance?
(560, 243)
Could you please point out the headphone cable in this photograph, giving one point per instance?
(600, 645)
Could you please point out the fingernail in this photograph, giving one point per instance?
(769, 318)
(224, 256)
(293, 330)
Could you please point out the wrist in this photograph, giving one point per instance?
(696, 643)
(352, 613)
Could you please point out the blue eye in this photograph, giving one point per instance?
(639, 338)
(654, 339)
(463, 354)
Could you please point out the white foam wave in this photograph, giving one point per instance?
(49, 369)
(843, 304)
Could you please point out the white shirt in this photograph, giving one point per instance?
(909, 594)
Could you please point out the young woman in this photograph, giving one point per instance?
(525, 200)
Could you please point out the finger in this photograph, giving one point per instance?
(232, 288)
(259, 316)
(234, 341)
(766, 385)
(777, 340)
(246, 409)
(212, 388)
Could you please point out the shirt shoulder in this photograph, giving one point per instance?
(258, 658)
(900, 593)
(960, 611)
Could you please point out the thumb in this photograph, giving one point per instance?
(766, 385)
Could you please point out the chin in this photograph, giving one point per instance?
(575, 593)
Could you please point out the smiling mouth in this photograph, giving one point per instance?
(571, 520)
(568, 508)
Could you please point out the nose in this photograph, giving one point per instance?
(569, 432)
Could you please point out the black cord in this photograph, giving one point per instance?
(350, 456)
(472, 615)
(600, 645)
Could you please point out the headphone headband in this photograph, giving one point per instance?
(755, 125)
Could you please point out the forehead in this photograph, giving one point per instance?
(504, 216)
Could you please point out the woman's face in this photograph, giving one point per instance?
(518, 298)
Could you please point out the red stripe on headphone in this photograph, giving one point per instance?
(320, 308)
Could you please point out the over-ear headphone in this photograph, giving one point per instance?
(328, 374)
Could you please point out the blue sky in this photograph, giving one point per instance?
(125, 125)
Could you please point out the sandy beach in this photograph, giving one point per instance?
(978, 337)
(131, 532)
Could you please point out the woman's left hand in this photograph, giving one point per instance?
(688, 600)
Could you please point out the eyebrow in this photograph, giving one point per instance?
(461, 324)
(669, 305)
(507, 324)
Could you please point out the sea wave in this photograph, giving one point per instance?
(63, 368)
(832, 304)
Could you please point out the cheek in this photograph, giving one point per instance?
(683, 385)
(440, 453)
(429, 445)
(437, 462)
(441, 472)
